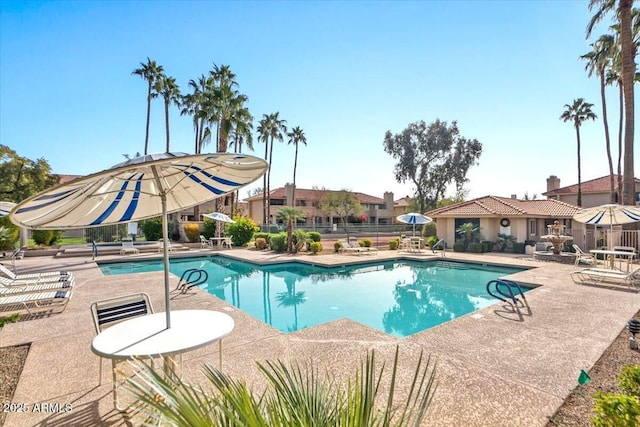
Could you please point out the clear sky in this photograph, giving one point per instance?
(346, 72)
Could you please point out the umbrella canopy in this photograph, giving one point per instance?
(140, 188)
(219, 217)
(414, 218)
(609, 214)
(5, 208)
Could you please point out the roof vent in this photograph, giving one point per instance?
(514, 196)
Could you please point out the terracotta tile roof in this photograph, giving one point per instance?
(66, 178)
(494, 206)
(598, 185)
(307, 194)
(405, 201)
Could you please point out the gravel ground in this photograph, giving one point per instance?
(576, 410)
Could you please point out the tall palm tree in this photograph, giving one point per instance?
(149, 72)
(296, 136)
(598, 60)
(263, 135)
(270, 127)
(577, 113)
(622, 10)
(170, 92)
(242, 124)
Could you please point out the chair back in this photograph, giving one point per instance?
(6, 272)
(110, 311)
(127, 243)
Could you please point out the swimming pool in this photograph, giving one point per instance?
(400, 298)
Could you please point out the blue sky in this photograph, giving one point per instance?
(346, 72)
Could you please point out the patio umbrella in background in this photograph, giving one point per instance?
(5, 208)
(140, 188)
(218, 216)
(609, 214)
(414, 218)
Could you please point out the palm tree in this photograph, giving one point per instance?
(170, 92)
(263, 135)
(296, 136)
(270, 127)
(242, 124)
(577, 113)
(150, 72)
(598, 60)
(290, 215)
(622, 9)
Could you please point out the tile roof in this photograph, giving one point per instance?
(494, 206)
(598, 185)
(308, 194)
(405, 201)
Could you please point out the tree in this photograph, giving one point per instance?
(22, 177)
(149, 72)
(290, 215)
(622, 10)
(296, 136)
(468, 231)
(598, 60)
(577, 113)
(316, 201)
(270, 127)
(343, 204)
(170, 92)
(432, 157)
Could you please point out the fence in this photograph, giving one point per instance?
(605, 238)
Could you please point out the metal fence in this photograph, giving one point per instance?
(605, 238)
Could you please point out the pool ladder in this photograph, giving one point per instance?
(190, 278)
(509, 292)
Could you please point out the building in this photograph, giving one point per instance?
(376, 210)
(595, 192)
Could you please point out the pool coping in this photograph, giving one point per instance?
(496, 369)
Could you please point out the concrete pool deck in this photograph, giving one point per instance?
(494, 367)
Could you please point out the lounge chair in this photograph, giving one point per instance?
(170, 248)
(582, 256)
(599, 275)
(11, 287)
(109, 312)
(205, 243)
(347, 247)
(35, 301)
(354, 244)
(45, 276)
(127, 246)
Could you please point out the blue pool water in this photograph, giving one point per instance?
(397, 297)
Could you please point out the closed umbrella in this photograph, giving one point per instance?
(609, 214)
(140, 188)
(414, 218)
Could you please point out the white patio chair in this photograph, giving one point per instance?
(127, 246)
(205, 243)
(582, 256)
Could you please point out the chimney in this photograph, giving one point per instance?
(553, 183)
(514, 196)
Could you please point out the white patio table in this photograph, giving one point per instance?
(612, 255)
(148, 337)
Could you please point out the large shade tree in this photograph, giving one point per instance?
(22, 177)
(577, 113)
(150, 72)
(296, 137)
(343, 204)
(432, 157)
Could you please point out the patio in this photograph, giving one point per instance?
(492, 369)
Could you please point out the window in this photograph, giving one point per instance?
(301, 203)
(533, 228)
(276, 202)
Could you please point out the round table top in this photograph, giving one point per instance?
(147, 336)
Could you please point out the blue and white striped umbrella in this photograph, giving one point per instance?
(414, 218)
(218, 216)
(5, 208)
(140, 188)
(609, 214)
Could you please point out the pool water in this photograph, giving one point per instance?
(400, 298)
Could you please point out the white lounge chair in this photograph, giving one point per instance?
(600, 275)
(44, 276)
(12, 287)
(35, 301)
(205, 243)
(127, 247)
(354, 244)
(582, 256)
(347, 247)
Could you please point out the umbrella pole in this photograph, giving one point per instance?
(165, 255)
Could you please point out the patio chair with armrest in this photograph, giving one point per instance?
(205, 243)
(111, 311)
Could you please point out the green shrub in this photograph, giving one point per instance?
(241, 231)
(315, 236)
(263, 235)
(487, 245)
(151, 228)
(432, 240)
(11, 234)
(261, 243)
(209, 228)
(518, 248)
(192, 231)
(458, 247)
(337, 246)
(429, 229)
(474, 247)
(42, 237)
(629, 380)
(616, 410)
(299, 238)
(315, 247)
(393, 244)
(366, 243)
(279, 242)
